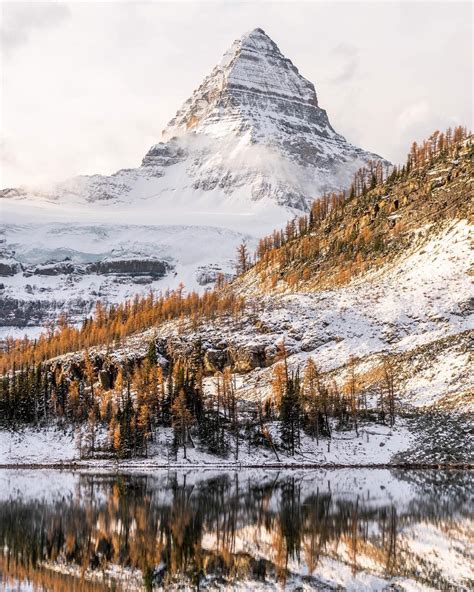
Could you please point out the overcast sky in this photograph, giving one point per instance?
(88, 87)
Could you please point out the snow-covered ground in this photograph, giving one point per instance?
(404, 310)
(420, 298)
(195, 255)
(375, 445)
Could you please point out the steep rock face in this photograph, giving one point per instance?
(253, 79)
(267, 129)
(258, 93)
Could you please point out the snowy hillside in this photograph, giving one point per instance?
(403, 311)
(248, 150)
(373, 296)
(65, 267)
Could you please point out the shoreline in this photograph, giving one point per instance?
(71, 466)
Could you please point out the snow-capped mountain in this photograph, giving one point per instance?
(249, 149)
(252, 131)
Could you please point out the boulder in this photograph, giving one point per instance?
(215, 360)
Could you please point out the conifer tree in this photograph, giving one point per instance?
(290, 414)
(243, 258)
(182, 420)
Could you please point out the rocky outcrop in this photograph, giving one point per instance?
(18, 312)
(217, 356)
(131, 266)
(54, 268)
(163, 155)
(153, 267)
(215, 360)
(9, 267)
(210, 274)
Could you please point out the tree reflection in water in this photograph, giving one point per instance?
(163, 530)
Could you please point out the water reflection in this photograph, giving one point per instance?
(308, 530)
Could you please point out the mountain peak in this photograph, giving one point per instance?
(258, 118)
(257, 39)
(257, 32)
(252, 77)
(253, 130)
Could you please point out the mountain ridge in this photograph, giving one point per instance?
(224, 107)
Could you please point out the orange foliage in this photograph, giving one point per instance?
(117, 322)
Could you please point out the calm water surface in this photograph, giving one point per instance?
(246, 530)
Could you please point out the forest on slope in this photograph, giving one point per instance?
(169, 368)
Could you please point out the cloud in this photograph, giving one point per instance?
(20, 20)
(348, 58)
(419, 119)
(414, 115)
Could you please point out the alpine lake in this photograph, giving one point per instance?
(252, 529)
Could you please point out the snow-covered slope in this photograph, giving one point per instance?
(249, 149)
(402, 310)
(406, 303)
(67, 267)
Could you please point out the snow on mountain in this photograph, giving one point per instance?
(403, 309)
(69, 267)
(249, 149)
(252, 131)
(286, 145)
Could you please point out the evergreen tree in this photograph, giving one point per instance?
(290, 414)
(243, 258)
(182, 420)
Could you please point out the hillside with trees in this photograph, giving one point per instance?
(349, 233)
(345, 340)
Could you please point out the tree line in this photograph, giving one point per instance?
(331, 205)
(127, 414)
(111, 325)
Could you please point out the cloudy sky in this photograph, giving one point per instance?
(88, 87)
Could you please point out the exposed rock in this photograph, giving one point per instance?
(9, 267)
(209, 274)
(105, 379)
(153, 267)
(215, 360)
(54, 268)
(163, 155)
(249, 357)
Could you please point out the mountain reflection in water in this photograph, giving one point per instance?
(246, 530)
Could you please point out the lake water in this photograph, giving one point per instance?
(238, 530)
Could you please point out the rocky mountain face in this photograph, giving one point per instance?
(283, 143)
(250, 148)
